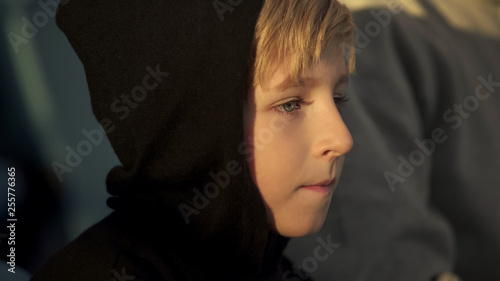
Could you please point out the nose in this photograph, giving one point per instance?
(331, 136)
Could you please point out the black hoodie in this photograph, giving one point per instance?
(167, 81)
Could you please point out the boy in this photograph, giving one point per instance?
(186, 199)
(298, 81)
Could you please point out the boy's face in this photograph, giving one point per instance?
(297, 142)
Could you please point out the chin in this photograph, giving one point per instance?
(300, 228)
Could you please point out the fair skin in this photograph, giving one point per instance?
(296, 144)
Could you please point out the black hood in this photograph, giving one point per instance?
(167, 81)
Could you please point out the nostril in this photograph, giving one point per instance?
(330, 154)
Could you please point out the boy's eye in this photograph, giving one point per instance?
(288, 108)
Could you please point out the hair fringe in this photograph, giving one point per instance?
(295, 32)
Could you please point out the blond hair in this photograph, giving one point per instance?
(295, 32)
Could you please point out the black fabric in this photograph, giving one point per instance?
(174, 136)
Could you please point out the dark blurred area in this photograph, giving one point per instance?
(44, 108)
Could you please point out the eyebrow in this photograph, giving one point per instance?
(305, 82)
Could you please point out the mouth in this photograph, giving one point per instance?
(323, 187)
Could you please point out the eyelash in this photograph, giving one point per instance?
(339, 101)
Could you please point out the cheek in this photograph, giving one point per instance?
(277, 161)
(339, 163)
(274, 135)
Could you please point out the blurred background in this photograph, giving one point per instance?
(44, 108)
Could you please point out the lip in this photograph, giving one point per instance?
(323, 187)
